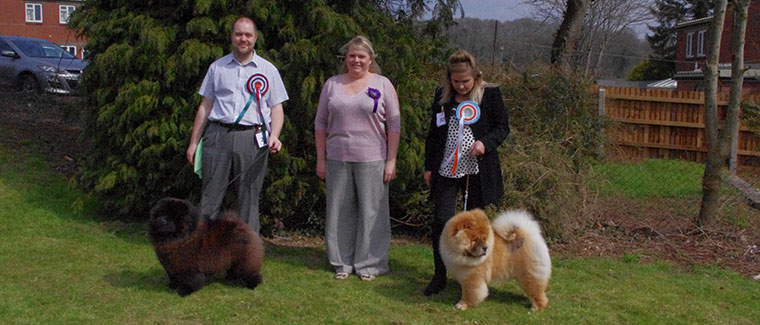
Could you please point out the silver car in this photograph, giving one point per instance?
(32, 63)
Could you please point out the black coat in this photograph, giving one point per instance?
(491, 129)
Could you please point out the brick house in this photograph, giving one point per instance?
(42, 19)
(693, 39)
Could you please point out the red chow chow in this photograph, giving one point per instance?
(477, 252)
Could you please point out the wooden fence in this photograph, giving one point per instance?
(660, 123)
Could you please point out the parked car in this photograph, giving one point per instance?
(32, 63)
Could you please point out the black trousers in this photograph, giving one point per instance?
(444, 192)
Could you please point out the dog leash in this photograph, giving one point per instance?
(466, 191)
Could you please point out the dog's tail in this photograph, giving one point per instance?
(513, 223)
(522, 231)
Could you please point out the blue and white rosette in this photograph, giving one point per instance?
(468, 112)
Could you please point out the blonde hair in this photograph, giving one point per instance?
(459, 62)
(362, 43)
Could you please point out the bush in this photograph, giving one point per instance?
(555, 134)
(147, 63)
(148, 60)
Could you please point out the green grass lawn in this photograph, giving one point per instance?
(59, 265)
(668, 178)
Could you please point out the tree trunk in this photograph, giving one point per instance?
(602, 48)
(719, 143)
(567, 34)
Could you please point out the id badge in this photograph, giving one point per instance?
(440, 119)
(260, 139)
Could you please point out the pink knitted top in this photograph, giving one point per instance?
(356, 131)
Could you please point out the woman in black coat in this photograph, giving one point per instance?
(461, 155)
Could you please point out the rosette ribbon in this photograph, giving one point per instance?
(375, 95)
(468, 112)
(257, 85)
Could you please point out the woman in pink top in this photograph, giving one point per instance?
(357, 131)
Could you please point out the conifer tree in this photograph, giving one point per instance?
(148, 59)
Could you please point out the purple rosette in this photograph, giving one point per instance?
(374, 94)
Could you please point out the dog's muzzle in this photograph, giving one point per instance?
(477, 251)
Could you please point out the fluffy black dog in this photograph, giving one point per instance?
(190, 250)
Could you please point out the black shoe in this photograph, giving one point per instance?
(211, 220)
(436, 285)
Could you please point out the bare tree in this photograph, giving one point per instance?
(609, 19)
(719, 141)
(567, 34)
(547, 10)
(604, 21)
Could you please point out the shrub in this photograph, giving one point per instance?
(149, 58)
(555, 134)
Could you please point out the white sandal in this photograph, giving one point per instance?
(367, 277)
(341, 275)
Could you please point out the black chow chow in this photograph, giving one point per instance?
(190, 249)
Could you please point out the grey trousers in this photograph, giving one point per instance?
(227, 154)
(358, 227)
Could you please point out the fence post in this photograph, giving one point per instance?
(601, 114)
(733, 156)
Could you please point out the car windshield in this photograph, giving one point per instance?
(37, 49)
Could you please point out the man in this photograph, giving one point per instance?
(242, 105)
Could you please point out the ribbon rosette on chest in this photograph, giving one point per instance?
(257, 85)
(375, 95)
(467, 113)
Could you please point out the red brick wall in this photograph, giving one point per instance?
(13, 22)
(684, 63)
(751, 38)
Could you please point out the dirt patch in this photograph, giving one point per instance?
(652, 229)
(48, 122)
(664, 229)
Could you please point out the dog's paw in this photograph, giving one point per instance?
(461, 306)
(537, 308)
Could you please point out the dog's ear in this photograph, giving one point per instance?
(482, 215)
(465, 224)
(156, 209)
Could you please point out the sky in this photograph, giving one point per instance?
(502, 10)
(508, 10)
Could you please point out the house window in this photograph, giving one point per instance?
(33, 12)
(701, 43)
(689, 45)
(65, 12)
(71, 49)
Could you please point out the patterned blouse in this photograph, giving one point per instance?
(466, 164)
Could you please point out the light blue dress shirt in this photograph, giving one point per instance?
(226, 85)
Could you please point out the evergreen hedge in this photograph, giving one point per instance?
(148, 58)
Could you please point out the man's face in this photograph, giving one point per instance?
(243, 37)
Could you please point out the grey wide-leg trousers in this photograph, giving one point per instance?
(358, 228)
(229, 153)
